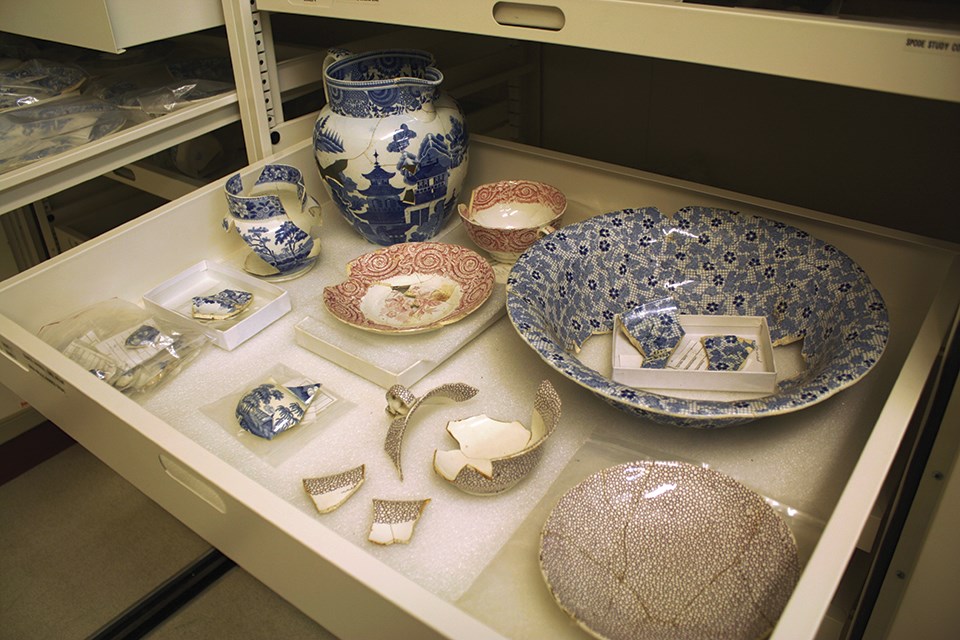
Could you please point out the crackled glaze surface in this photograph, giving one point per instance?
(403, 404)
(395, 520)
(712, 261)
(668, 550)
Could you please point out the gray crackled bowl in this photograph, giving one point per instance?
(570, 285)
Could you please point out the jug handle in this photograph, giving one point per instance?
(333, 54)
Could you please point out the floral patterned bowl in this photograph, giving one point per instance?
(712, 261)
(504, 218)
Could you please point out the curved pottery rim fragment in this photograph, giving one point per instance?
(508, 461)
(684, 551)
(403, 404)
(331, 491)
(468, 272)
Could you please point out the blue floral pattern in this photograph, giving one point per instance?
(711, 261)
(270, 409)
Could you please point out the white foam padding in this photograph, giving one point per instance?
(458, 534)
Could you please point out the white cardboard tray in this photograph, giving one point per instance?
(758, 375)
(390, 360)
(174, 297)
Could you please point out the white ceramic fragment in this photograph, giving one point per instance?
(494, 455)
(481, 440)
(394, 520)
(329, 492)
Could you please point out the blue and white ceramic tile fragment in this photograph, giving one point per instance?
(222, 305)
(570, 286)
(145, 335)
(728, 352)
(270, 408)
(305, 392)
(225, 303)
(653, 328)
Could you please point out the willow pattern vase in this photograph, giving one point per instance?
(391, 147)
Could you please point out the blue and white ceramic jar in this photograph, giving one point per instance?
(390, 146)
(277, 219)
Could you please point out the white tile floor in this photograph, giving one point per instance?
(79, 545)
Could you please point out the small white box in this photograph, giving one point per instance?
(175, 297)
(758, 374)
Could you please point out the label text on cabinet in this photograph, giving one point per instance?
(44, 372)
(932, 45)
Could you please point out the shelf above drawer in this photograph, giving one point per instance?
(911, 60)
(109, 25)
(40, 179)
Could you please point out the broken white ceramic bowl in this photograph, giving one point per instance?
(495, 455)
(402, 403)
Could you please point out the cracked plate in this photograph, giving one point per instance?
(668, 550)
(411, 287)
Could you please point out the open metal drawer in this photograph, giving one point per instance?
(471, 570)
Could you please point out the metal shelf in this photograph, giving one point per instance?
(41, 179)
(108, 26)
(919, 61)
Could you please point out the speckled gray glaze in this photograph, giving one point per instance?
(326, 484)
(402, 403)
(398, 511)
(509, 470)
(668, 551)
(571, 284)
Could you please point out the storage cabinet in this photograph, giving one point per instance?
(471, 569)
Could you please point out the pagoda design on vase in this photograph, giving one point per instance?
(393, 159)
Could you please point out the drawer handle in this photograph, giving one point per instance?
(200, 488)
(126, 173)
(533, 16)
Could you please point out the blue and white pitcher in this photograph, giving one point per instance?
(277, 219)
(390, 146)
